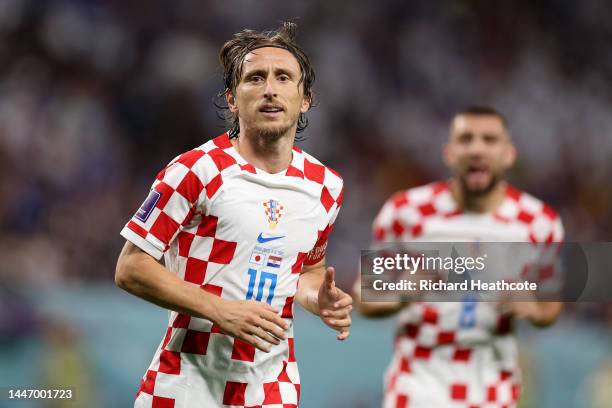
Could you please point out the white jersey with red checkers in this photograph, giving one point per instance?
(443, 359)
(239, 233)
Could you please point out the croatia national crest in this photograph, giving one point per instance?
(274, 211)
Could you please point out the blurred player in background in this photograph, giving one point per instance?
(241, 221)
(462, 354)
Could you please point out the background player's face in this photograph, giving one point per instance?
(269, 97)
(479, 152)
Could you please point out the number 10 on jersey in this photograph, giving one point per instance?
(263, 278)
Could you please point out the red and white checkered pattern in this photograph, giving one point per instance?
(437, 363)
(208, 222)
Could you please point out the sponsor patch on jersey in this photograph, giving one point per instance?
(274, 211)
(147, 207)
(274, 261)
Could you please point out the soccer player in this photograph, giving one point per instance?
(462, 354)
(242, 222)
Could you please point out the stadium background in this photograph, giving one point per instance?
(96, 96)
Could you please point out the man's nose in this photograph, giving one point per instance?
(270, 89)
(477, 147)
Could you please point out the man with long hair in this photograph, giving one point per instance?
(243, 222)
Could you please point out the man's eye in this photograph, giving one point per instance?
(283, 78)
(256, 78)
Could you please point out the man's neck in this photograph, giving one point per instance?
(485, 203)
(269, 155)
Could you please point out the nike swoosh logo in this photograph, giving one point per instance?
(262, 240)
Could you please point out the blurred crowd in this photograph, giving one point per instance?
(97, 96)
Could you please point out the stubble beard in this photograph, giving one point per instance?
(472, 193)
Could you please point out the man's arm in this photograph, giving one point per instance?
(540, 314)
(374, 309)
(317, 293)
(254, 322)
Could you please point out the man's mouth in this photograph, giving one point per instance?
(271, 109)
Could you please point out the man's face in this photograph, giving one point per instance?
(479, 152)
(269, 96)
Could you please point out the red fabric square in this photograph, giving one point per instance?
(398, 228)
(190, 187)
(288, 308)
(223, 141)
(400, 200)
(162, 402)
(422, 352)
(195, 270)
(213, 185)
(314, 172)
(525, 217)
(491, 394)
(291, 344)
(516, 392)
(401, 401)
(195, 342)
(299, 263)
(170, 362)
(165, 192)
(427, 209)
(249, 167)
(458, 392)
(181, 321)
(272, 393)
(417, 230)
(243, 351)
(137, 229)
(462, 354)
(184, 243)
(412, 330)
(208, 226)
(283, 377)
(222, 160)
(326, 199)
(148, 383)
(164, 228)
(167, 337)
(513, 193)
(214, 289)
(549, 212)
(446, 337)
(404, 365)
(222, 251)
(430, 315)
(294, 172)
(189, 158)
(234, 393)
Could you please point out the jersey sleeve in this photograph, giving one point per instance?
(388, 225)
(175, 198)
(317, 253)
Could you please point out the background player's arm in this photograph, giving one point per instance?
(254, 322)
(374, 309)
(540, 314)
(317, 293)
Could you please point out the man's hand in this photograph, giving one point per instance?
(254, 322)
(334, 305)
(540, 314)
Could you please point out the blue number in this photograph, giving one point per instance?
(263, 277)
(467, 319)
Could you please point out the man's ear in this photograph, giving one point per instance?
(447, 155)
(231, 101)
(306, 101)
(509, 156)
